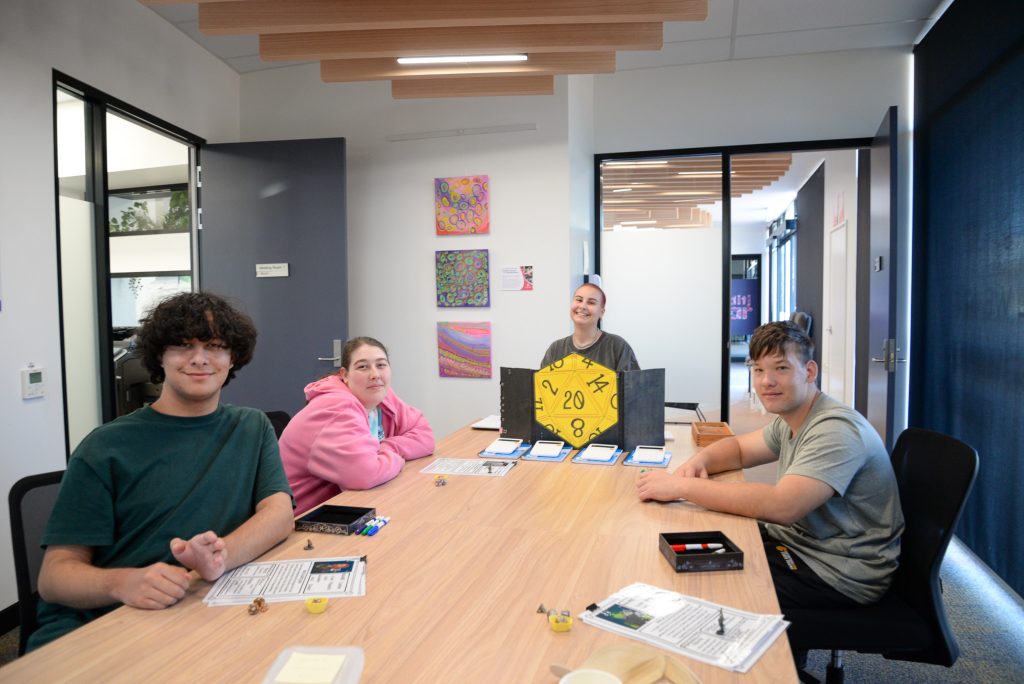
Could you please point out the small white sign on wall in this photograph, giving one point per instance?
(271, 270)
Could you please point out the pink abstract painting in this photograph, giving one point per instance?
(462, 205)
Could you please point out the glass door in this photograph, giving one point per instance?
(126, 225)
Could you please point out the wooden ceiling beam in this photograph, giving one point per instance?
(340, 70)
(483, 40)
(485, 86)
(299, 16)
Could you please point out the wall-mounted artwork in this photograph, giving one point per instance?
(462, 277)
(462, 205)
(464, 350)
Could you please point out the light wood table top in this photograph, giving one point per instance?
(453, 585)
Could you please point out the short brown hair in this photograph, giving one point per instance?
(781, 337)
(195, 316)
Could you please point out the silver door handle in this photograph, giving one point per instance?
(336, 359)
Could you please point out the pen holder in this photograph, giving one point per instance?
(725, 555)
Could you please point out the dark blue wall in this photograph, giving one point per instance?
(967, 373)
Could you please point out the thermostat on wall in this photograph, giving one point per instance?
(33, 383)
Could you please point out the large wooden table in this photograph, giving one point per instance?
(453, 585)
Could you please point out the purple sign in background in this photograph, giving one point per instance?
(744, 306)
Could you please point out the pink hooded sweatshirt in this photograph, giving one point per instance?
(327, 447)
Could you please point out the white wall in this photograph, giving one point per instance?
(665, 297)
(126, 50)
(391, 236)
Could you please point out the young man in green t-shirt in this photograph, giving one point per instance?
(186, 484)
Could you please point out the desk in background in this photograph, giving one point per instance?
(453, 585)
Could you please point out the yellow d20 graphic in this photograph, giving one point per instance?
(576, 398)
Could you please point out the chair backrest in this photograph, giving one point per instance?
(31, 500)
(802, 319)
(279, 419)
(935, 474)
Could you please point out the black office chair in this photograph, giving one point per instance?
(802, 319)
(279, 419)
(31, 500)
(935, 474)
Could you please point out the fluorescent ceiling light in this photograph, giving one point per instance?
(462, 59)
(623, 190)
(634, 162)
(703, 174)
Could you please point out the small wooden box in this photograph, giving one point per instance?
(708, 433)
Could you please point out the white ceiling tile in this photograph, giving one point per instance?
(826, 40)
(763, 28)
(224, 47)
(717, 25)
(759, 16)
(690, 52)
(177, 14)
(246, 64)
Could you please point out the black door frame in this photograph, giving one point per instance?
(97, 105)
(726, 152)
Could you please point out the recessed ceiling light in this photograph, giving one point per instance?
(461, 59)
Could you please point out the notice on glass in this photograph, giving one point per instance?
(290, 580)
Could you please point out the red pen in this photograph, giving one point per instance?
(695, 547)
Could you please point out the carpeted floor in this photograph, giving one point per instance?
(8, 646)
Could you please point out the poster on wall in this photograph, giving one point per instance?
(463, 277)
(464, 350)
(462, 205)
(517, 277)
(744, 306)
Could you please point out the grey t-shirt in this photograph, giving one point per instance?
(852, 541)
(611, 351)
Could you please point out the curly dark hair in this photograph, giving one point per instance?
(195, 316)
(781, 337)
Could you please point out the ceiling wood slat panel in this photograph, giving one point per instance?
(472, 87)
(335, 70)
(296, 16)
(484, 40)
(668, 193)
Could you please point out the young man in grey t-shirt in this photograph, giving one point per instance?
(832, 522)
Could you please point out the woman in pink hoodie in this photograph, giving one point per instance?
(354, 432)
